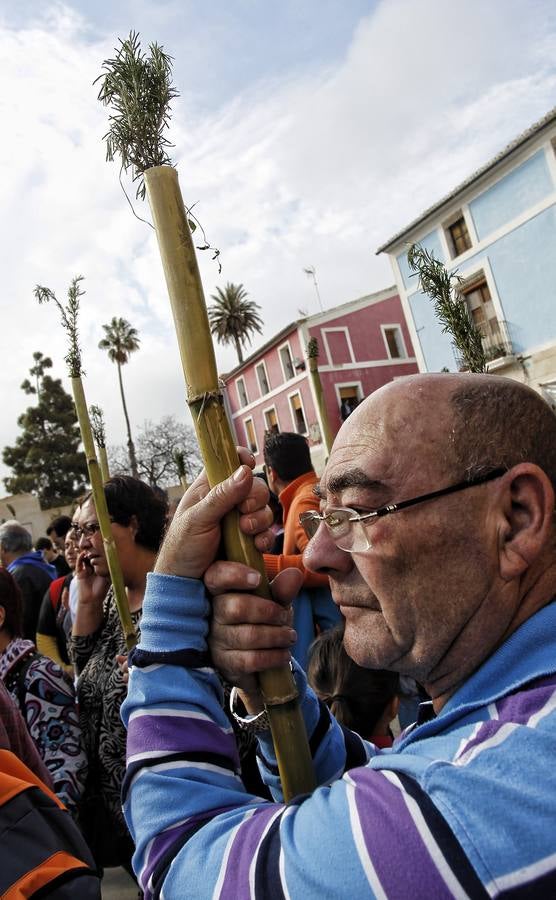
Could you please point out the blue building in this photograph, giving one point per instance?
(498, 229)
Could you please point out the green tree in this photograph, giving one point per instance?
(233, 318)
(45, 458)
(120, 341)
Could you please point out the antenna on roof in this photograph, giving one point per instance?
(312, 273)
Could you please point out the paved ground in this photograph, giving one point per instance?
(118, 885)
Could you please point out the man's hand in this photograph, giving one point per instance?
(249, 634)
(193, 537)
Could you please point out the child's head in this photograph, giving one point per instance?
(365, 700)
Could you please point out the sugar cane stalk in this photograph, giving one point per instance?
(313, 357)
(69, 315)
(179, 459)
(99, 434)
(130, 79)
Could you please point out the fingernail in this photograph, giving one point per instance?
(292, 636)
(253, 578)
(239, 474)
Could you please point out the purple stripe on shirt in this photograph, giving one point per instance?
(177, 734)
(394, 844)
(243, 850)
(163, 842)
(515, 709)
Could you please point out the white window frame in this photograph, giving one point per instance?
(265, 411)
(325, 332)
(462, 213)
(389, 325)
(294, 423)
(280, 348)
(257, 367)
(250, 419)
(241, 403)
(481, 270)
(345, 384)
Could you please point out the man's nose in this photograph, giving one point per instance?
(321, 554)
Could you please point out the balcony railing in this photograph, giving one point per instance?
(497, 345)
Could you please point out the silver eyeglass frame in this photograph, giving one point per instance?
(309, 519)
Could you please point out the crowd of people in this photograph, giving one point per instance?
(416, 575)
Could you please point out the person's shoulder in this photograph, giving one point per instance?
(42, 671)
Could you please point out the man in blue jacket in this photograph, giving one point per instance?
(32, 574)
(437, 533)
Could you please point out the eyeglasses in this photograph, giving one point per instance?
(87, 530)
(347, 527)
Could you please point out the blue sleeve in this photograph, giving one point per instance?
(197, 832)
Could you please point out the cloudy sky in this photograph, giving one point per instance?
(307, 132)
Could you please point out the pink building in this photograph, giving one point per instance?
(362, 345)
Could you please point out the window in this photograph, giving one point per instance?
(287, 362)
(493, 332)
(349, 396)
(241, 392)
(298, 415)
(338, 346)
(393, 338)
(548, 390)
(271, 420)
(251, 435)
(458, 236)
(262, 378)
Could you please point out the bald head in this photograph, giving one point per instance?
(471, 424)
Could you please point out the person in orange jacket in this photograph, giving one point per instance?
(291, 476)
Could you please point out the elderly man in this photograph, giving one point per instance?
(32, 574)
(437, 533)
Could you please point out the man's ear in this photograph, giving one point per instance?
(527, 506)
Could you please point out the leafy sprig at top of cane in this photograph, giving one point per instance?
(68, 315)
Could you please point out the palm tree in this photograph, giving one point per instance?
(120, 340)
(233, 318)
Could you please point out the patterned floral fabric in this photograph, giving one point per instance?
(101, 691)
(46, 699)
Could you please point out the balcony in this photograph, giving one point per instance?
(497, 345)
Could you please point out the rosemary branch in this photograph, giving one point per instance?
(450, 305)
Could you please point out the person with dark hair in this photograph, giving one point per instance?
(290, 474)
(54, 624)
(57, 531)
(45, 697)
(138, 517)
(438, 533)
(364, 700)
(30, 571)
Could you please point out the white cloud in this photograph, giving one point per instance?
(316, 169)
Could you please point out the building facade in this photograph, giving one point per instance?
(362, 345)
(498, 230)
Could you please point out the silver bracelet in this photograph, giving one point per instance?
(252, 724)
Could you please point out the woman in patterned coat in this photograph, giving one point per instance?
(45, 697)
(138, 516)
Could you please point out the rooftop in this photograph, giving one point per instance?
(323, 314)
(516, 144)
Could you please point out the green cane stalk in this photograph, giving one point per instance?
(132, 85)
(99, 434)
(313, 357)
(69, 315)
